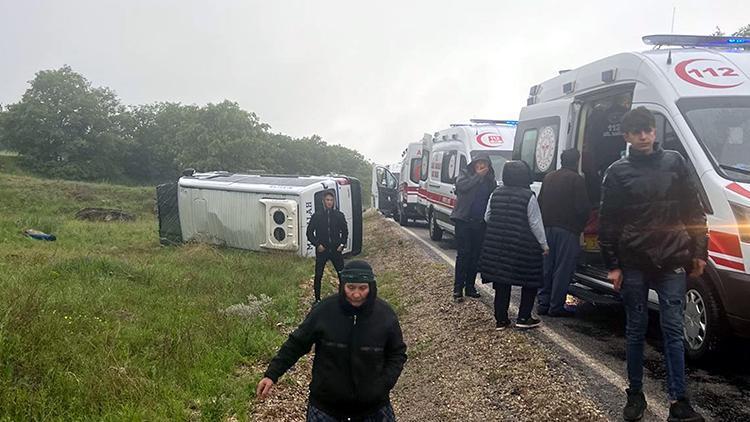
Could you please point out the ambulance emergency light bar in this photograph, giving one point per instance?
(494, 122)
(697, 41)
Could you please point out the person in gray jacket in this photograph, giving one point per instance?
(473, 188)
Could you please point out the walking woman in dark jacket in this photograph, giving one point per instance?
(514, 245)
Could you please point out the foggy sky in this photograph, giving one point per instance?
(371, 76)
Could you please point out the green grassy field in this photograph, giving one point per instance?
(106, 324)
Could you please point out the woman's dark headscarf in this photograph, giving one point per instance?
(517, 173)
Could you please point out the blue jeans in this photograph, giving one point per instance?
(384, 414)
(670, 286)
(559, 266)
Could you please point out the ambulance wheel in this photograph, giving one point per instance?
(436, 233)
(403, 219)
(703, 322)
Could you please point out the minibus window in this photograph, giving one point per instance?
(448, 170)
(416, 169)
(528, 147)
(666, 136)
(425, 166)
(498, 160)
(722, 126)
(380, 176)
(390, 180)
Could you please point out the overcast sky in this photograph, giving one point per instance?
(372, 76)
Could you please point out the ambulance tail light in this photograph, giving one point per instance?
(742, 216)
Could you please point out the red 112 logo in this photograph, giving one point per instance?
(696, 72)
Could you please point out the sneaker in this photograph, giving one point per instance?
(473, 293)
(636, 405)
(530, 322)
(681, 411)
(501, 325)
(561, 314)
(458, 297)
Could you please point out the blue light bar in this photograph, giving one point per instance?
(495, 122)
(696, 41)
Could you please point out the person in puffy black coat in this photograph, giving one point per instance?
(473, 188)
(359, 352)
(514, 245)
(328, 232)
(652, 231)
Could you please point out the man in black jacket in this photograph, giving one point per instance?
(328, 232)
(565, 208)
(652, 232)
(359, 352)
(473, 189)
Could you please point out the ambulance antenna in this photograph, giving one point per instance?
(669, 55)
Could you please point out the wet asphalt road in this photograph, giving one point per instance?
(720, 388)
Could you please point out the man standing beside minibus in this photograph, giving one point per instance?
(565, 208)
(652, 234)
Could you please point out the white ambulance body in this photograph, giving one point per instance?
(448, 151)
(255, 212)
(700, 95)
(408, 186)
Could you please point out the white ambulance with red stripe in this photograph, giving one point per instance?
(408, 186)
(700, 95)
(448, 151)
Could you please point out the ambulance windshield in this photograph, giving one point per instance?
(722, 125)
(498, 158)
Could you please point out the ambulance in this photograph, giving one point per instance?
(698, 88)
(448, 151)
(408, 187)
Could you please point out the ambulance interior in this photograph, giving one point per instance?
(601, 143)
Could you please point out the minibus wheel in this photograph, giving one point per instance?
(436, 233)
(402, 218)
(703, 325)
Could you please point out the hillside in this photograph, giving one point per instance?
(105, 323)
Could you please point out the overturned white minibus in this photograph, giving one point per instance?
(255, 212)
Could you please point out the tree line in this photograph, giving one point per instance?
(63, 127)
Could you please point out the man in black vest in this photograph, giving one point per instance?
(328, 232)
(359, 352)
(473, 188)
(652, 231)
(565, 209)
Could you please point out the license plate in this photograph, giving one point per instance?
(591, 243)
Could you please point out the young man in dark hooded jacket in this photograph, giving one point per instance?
(328, 232)
(652, 231)
(359, 352)
(473, 188)
(565, 208)
(514, 245)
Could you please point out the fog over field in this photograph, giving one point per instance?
(370, 76)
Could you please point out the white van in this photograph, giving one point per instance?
(700, 95)
(256, 212)
(408, 186)
(448, 151)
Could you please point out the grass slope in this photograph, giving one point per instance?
(106, 324)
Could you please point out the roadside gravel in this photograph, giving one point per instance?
(459, 367)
